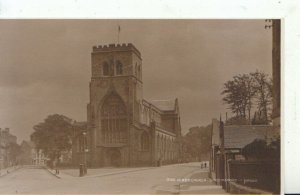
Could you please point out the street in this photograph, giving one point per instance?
(165, 179)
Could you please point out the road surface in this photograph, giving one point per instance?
(163, 179)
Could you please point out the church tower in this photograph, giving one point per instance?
(122, 128)
(115, 92)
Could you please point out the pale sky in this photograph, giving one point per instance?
(45, 65)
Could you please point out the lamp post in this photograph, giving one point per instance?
(85, 150)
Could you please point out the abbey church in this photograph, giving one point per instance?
(123, 129)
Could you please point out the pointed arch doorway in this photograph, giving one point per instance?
(114, 157)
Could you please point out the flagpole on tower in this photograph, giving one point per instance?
(119, 30)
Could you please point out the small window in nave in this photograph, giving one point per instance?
(145, 141)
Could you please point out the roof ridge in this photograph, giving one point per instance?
(163, 100)
(163, 105)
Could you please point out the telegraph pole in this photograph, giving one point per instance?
(85, 151)
(276, 67)
(275, 24)
(222, 154)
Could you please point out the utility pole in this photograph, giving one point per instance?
(276, 70)
(222, 154)
(275, 24)
(85, 151)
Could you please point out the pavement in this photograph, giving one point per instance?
(196, 182)
(170, 179)
(8, 170)
(100, 172)
(53, 172)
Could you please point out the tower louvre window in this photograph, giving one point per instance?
(105, 69)
(119, 68)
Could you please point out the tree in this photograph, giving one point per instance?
(237, 121)
(239, 94)
(263, 89)
(53, 136)
(197, 141)
(14, 150)
(248, 91)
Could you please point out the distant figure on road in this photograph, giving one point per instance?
(204, 165)
(55, 167)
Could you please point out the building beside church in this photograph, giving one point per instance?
(31, 155)
(124, 129)
(233, 138)
(6, 139)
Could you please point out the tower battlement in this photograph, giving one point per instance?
(117, 47)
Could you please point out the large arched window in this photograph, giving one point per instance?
(119, 68)
(145, 141)
(105, 69)
(113, 120)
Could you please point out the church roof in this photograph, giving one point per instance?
(164, 105)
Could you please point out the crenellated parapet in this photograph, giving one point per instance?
(116, 47)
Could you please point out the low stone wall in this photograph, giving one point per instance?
(213, 175)
(235, 188)
(264, 175)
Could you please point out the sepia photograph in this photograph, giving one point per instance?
(140, 106)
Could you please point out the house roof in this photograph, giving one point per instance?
(164, 105)
(238, 136)
(80, 124)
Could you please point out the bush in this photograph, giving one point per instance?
(259, 149)
(237, 121)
